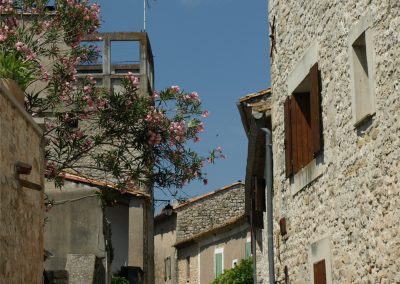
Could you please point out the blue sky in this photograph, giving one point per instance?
(218, 48)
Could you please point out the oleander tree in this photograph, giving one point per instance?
(126, 138)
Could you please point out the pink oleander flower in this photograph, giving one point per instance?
(154, 138)
(178, 131)
(88, 100)
(205, 114)
(87, 89)
(194, 96)
(218, 149)
(132, 78)
(200, 127)
(175, 89)
(87, 144)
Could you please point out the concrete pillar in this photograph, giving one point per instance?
(136, 232)
(107, 63)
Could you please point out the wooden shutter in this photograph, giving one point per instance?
(315, 109)
(259, 187)
(319, 272)
(288, 138)
(247, 250)
(218, 264)
(257, 216)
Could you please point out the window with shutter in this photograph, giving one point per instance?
(248, 249)
(219, 261)
(303, 123)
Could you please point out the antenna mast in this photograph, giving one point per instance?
(144, 15)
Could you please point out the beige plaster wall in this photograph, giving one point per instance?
(164, 239)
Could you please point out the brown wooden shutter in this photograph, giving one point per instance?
(319, 272)
(315, 109)
(257, 219)
(288, 138)
(259, 184)
(257, 216)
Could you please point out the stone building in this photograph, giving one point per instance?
(21, 190)
(336, 137)
(255, 112)
(203, 237)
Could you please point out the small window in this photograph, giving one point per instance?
(167, 268)
(363, 104)
(360, 44)
(219, 261)
(234, 263)
(187, 269)
(303, 138)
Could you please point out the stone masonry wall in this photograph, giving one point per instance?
(356, 201)
(210, 212)
(21, 208)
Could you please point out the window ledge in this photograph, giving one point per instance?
(307, 175)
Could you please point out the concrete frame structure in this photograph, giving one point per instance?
(107, 72)
(135, 236)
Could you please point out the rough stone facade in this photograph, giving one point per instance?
(196, 230)
(199, 216)
(21, 208)
(351, 210)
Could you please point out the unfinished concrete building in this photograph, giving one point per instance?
(85, 243)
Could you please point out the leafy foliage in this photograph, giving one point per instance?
(119, 280)
(241, 274)
(127, 138)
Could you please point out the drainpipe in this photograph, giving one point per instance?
(270, 225)
(253, 250)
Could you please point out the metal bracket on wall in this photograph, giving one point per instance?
(30, 185)
(272, 39)
(25, 169)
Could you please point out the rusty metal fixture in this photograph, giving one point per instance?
(22, 168)
(282, 226)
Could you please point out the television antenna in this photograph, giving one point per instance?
(146, 5)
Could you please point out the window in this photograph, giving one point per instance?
(361, 73)
(167, 268)
(303, 139)
(187, 269)
(219, 261)
(234, 263)
(247, 252)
